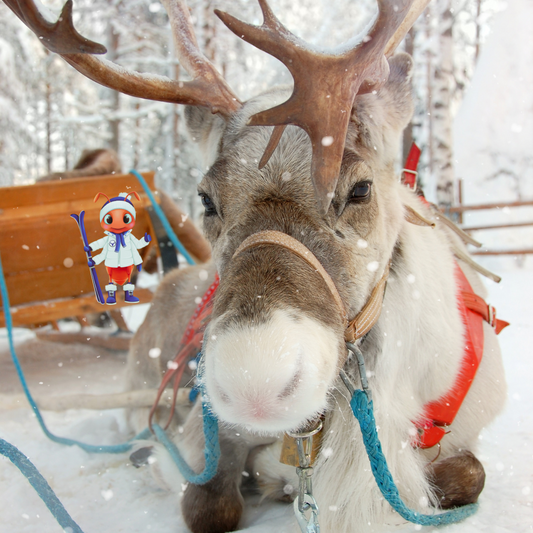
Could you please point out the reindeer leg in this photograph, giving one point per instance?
(217, 506)
(458, 480)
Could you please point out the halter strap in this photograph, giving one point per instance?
(366, 318)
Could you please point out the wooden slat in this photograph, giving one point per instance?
(498, 226)
(44, 312)
(41, 247)
(27, 248)
(463, 208)
(130, 399)
(503, 252)
(92, 338)
(53, 192)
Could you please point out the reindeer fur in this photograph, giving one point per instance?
(412, 354)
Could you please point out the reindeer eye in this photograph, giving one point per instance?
(210, 208)
(127, 218)
(361, 191)
(108, 219)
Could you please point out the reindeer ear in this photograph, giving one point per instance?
(380, 118)
(400, 88)
(134, 194)
(98, 196)
(205, 129)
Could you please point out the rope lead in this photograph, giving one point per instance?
(363, 410)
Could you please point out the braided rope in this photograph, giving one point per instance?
(362, 409)
(159, 212)
(40, 484)
(211, 449)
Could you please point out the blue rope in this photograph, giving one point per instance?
(40, 484)
(363, 410)
(159, 212)
(211, 449)
(115, 448)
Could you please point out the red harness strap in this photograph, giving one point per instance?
(190, 345)
(410, 173)
(442, 412)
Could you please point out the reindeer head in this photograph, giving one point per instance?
(276, 341)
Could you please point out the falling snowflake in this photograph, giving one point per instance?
(154, 353)
(372, 266)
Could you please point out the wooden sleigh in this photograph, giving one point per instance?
(44, 264)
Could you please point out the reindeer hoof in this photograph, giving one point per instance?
(140, 457)
(212, 508)
(458, 480)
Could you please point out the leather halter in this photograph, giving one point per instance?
(365, 319)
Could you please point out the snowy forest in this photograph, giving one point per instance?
(49, 113)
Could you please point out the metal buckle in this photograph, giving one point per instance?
(362, 372)
(305, 500)
(415, 182)
(492, 316)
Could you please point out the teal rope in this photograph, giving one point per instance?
(210, 422)
(363, 410)
(211, 449)
(116, 448)
(40, 485)
(159, 212)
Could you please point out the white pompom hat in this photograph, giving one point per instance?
(118, 202)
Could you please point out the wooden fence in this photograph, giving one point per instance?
(460, 209)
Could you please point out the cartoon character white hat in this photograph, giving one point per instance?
(118, 202)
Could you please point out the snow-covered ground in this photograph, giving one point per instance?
(104, 493)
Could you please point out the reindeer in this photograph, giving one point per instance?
(308, 224)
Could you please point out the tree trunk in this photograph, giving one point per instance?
(408, 132)
(442, 116)
(478, 29)
(114, 96)
(48, 125)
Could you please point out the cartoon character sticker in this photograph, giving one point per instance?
(119, 246)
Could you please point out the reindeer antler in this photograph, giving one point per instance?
(207, 88)
(60, 37)
(325, 84)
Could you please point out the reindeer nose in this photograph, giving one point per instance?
(270, 376)
(260, 401)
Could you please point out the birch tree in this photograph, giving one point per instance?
(441, 106)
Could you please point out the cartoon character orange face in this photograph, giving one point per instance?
(117, 221)
(117, 214)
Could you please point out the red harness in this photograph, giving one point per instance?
(441, 413)
(437, 414)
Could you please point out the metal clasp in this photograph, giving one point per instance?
(362, 372)
(311, 525)
(305, 500)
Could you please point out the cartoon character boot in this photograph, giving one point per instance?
(111, 291)
(128, 294)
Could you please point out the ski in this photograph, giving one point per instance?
(96, 285)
